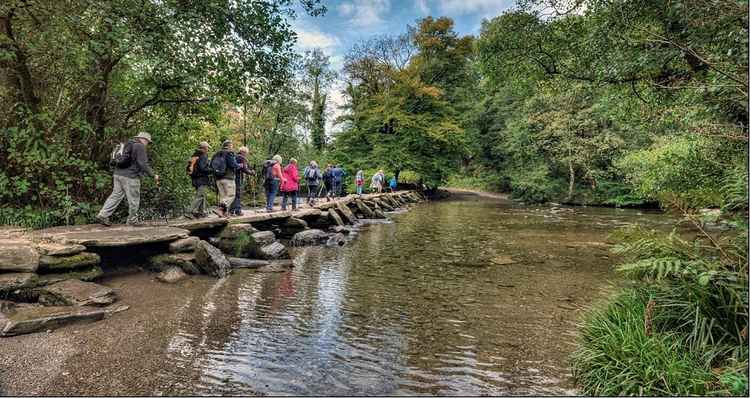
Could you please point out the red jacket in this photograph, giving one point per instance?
(291, 179)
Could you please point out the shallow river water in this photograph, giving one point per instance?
(468, 296)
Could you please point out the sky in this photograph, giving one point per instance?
(348, 21)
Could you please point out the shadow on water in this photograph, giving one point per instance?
(462, 297)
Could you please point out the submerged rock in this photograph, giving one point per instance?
(171, 275)
(185, 261)
(274, 251)
(503, 260)
(237, 262)
(337, 239)
(18, 256)
(17, 280)
(76, 292)
(211, 260)
(80, 260)
(309, 237)
(276, 266)
(184, 245)
(34, 319)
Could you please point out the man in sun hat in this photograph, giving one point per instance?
(130, 166)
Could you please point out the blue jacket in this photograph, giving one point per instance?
(338, 174)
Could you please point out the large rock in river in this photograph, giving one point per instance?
(18, 256)
(60, 263)
(17, 280)
(184, 245)
(211, 260)
(185, 261)
(364, 209)
(274, 251)
(333, 214)
(84, 274)
(346, 213)
(171, 275)
(75, 292)
(309, 237)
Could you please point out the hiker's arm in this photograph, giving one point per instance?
(142, 160)
(232, 163)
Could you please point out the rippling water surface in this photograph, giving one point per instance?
(426, 304)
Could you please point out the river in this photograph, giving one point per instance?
(467, 296)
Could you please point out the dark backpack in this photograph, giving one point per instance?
(122, 155)
(312, 174)
(219, 164)
(268, 170)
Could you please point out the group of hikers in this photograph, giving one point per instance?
(228, 170)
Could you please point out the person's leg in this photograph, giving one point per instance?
(236, 207)
(114, 199)
(294, 199)
(230, 190)
(284, 195)
(274, 191)
(269, 201)
(199, 201)
(133, 193)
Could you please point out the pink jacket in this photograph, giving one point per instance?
(291, 179)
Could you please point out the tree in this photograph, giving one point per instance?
(318, 77)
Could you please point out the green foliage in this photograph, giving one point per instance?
(83, 75)
(616, 355)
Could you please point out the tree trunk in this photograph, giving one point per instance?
(572, 180)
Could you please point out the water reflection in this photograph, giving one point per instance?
(412, 307)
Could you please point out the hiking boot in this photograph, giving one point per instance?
(104, 221)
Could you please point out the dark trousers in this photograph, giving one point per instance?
(285, 195)
(312, 193)
(236, 206)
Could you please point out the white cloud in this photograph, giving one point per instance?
(485, 8)
(422, 7)
(308, 39)
(364, 13)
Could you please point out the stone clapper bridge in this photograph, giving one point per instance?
(45, 275)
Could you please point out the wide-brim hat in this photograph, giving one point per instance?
(146, 136)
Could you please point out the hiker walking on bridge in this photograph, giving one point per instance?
(239, 180)
(290, 186)
(199, 172)
(131, 163)
(273, 178)
(312, 177)
(224, 165)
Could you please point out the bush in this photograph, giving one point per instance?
(616, 355)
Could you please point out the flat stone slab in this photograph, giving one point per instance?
(59, 249)
(84, 274)
(200, 223)
(116, 236)
(303, 213)
(35, 319)
(251, 217)
(61, 263)
(76, 292)
(18, 256)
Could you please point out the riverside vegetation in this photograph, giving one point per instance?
(600, 102)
